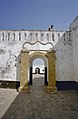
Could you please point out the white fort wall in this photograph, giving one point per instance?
(74, 37)
(64, 62)
(11, 43)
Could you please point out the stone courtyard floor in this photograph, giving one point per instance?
(38, 104)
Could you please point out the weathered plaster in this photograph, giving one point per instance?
(74, 38)
(65, 44)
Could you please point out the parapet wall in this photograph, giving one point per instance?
(11, 43)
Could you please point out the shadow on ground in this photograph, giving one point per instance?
(37, 104)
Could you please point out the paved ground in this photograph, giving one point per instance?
(38, 104)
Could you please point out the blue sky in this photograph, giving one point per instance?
(37, 14)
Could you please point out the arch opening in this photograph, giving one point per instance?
(26, 73)
(37, 70)
(38, 65)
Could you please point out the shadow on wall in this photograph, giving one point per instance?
(66, 85)
(61, 85)
(13, 84)
(9, 84)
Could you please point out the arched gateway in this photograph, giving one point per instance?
(32, 57)
(27, 57)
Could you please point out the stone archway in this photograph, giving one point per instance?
(26, 59)
(33, 56)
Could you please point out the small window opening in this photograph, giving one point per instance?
(58, 35)
(8, 36)
(19, 36)
(53, 36)
(2, 36)
(13, 36)
(25, 34)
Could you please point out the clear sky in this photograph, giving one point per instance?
(38, 61)
(37, 14)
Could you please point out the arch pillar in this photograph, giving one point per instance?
(51, 72)
(24, 70)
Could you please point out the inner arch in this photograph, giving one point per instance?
(38, 56)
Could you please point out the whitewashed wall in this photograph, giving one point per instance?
(11, 43)
(64, 62)
(74, 37)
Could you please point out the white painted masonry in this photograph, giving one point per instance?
(65, 44)
(74, 38)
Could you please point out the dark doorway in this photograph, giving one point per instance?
(37, 71)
